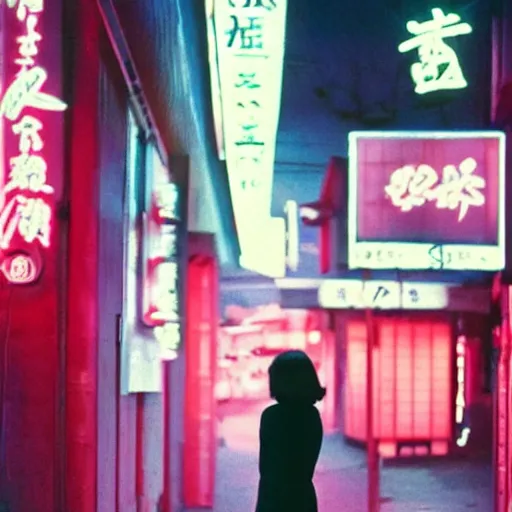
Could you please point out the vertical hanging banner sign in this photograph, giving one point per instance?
(161, 299)
(249, 38)
(32, 119)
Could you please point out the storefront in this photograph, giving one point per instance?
(428, 370)
(249, 341)
(423, 282)
(96, 256)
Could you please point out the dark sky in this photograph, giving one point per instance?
(343, 72)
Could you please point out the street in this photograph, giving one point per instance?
(340, 479)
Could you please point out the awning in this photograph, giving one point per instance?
(383, 294)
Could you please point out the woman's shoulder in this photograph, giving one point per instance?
(280, 409)
(271, 410)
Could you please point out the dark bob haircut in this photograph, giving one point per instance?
(293, 378)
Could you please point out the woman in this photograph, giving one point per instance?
(290, 436)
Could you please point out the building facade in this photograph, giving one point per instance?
(91, 417)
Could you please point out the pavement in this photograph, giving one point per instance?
(340, 478)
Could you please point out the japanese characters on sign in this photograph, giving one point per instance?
(426, 200)
(356, 294)
(250, 51)
(26, 199)
(438, 67)
(412, 186)
(161, 297)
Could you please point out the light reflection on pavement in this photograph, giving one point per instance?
(340, 480)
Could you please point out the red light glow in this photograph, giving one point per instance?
(412, 382)
(27, 198)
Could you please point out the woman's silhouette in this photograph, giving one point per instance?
(290, 436)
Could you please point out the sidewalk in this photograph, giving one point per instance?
(341, 482)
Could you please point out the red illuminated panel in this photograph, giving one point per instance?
(201, 358)
(355, 383)
(426, 200)
(412, 393)
(420, 220)
(32, 114)
(388, 371)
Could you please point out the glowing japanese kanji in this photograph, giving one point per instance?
(249, 34)
(167, 304)
(168, 336)
(438, 67)
(168, 247)
(28, 129)
(31, 217)
(247, 80)
(21, 269)
(265, 4)
(25, 7)
(28, 172)
(167, 197)
(25, 91)
(460, 188)
(411, 187)
(28, 43)
(166, 300)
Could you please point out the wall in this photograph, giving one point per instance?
(114, 444)
(116, 415)
(173, 66)
(80, 357)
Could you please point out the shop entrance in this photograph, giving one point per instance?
(249, 340)
(432, 411)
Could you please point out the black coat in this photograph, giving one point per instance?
(290, 441)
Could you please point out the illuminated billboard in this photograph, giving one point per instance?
(427, 200)
(31, 110)
(246, 52)
(438, 67)
(162, 251)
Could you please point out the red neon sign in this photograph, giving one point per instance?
(430, 200)
(27, 198)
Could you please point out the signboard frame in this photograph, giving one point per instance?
(406, 255)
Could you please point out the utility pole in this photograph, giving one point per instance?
(371, 441)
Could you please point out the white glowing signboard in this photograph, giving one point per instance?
(161, 300)
(427, 200)
(389, 295)
(438, 67)
(27, 193)
(249, 50)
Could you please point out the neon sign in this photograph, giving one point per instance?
(161, 291)
(460, 399)
(411, 186)
(26, 212)
(248, 61)
(21, 268)
(438, 67)
(451, 186)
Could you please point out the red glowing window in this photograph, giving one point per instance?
(412, 381)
